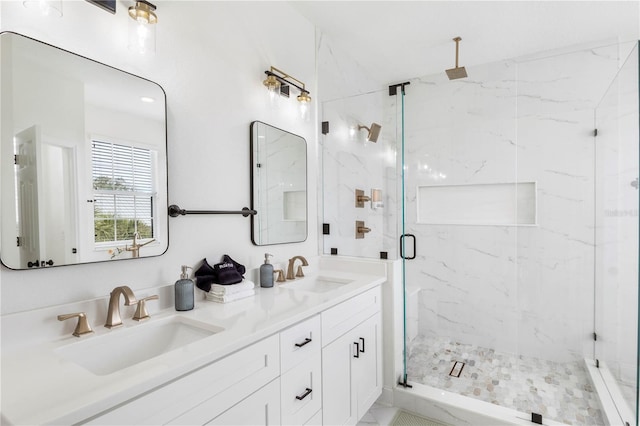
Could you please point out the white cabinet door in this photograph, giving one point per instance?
(352, 373)
(261, 408)
(338, 396)
(367, 367)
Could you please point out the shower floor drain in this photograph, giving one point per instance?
(456, 370)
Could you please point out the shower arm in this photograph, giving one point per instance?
(457, 40)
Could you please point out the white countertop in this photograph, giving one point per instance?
(39, 386)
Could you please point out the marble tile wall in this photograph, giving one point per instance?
(349, 162)
(527, 289)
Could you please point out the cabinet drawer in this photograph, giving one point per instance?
(261, 408)
(316, 420)
(300, 342)
(343, 317)
(205, 393)
(301, 394)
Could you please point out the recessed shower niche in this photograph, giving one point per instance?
(477, 204)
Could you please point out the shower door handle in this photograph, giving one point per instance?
(402, 246)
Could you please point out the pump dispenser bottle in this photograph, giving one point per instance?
(266, 272)
(184, 291)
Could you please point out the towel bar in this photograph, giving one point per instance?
(175, 211)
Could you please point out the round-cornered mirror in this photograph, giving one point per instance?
(278, 185)
(83, 159)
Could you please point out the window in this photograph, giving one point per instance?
(123, 192)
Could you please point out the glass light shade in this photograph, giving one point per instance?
(142, 36)
(46, 7)
(304, 99)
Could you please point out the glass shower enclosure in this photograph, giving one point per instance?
(516, 226)
(523, 289)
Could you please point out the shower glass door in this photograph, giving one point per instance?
(461, 203)
(616, 239)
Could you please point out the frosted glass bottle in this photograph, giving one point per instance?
(266, 272)
(184, 289)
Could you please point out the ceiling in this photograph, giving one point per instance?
(406, 39)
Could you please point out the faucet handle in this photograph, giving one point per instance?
(82, 327)
(299, 273)
(141, 310)
(280, 278)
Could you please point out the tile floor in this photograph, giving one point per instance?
(378, 415)
(561, 392)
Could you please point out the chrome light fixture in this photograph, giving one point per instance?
(279, 82)
(142, 29)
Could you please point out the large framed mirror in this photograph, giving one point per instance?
(83, 159)
(278, 185)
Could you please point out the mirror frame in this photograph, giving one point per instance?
(163, 184)
(255, 218)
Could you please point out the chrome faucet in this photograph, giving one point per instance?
(292, 262)
(113, 314)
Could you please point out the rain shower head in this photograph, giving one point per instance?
(457, 72)
(374, 131)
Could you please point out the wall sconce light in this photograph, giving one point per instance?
(46, 7)
(279, 82)
(142, 28)
(373, 131)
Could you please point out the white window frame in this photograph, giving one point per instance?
(153, 193)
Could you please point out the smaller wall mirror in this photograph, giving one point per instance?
(278, 185)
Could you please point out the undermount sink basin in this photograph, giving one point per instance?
(316, 284)
(123, 347)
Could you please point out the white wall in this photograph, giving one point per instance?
(210, 60)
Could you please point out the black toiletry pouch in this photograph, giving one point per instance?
(226, 273)
(203, 282)
(204, 269)
(240, 268)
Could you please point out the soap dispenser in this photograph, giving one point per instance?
(266, 272)
(184, 291)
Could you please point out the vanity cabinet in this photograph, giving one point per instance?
(323, 370)
(351, 358)
(206, 393)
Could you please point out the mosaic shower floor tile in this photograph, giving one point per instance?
(559, 391)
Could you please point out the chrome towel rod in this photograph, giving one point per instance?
(175, 211)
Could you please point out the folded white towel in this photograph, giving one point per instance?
(222, 290)
(230, 297)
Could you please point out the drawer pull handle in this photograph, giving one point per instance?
(304, 395)
(307, 340)
(357, 355)
(362, 340)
